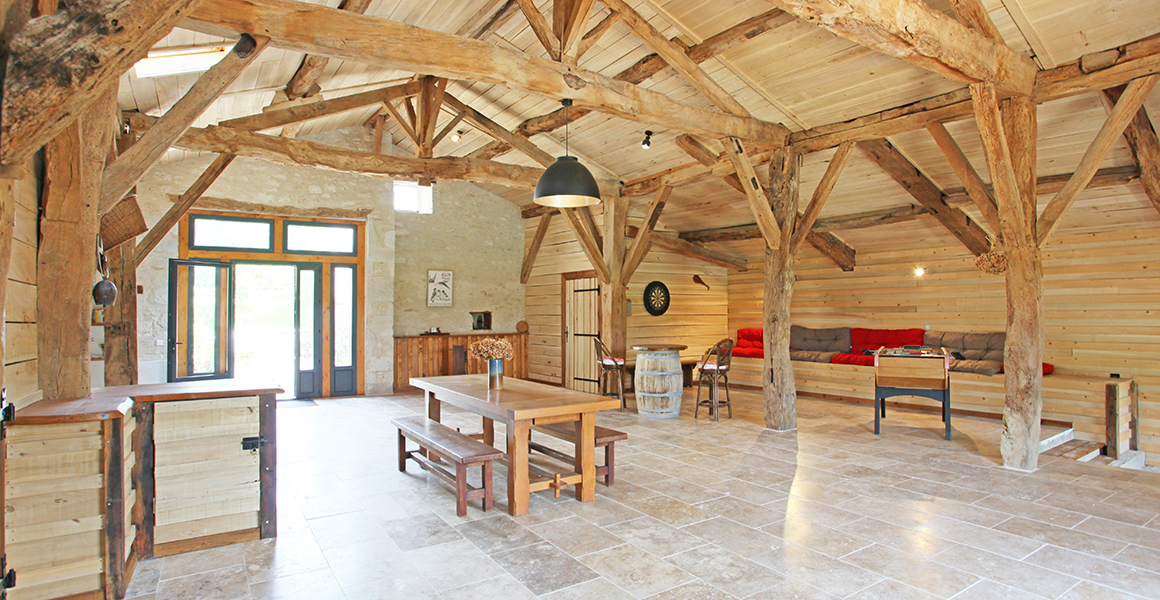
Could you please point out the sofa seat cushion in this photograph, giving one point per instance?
(982, 367)
(853, 359)
(835, 340)
(748, 352)
(812, 356)
(1048, 368)
(973, 346)
(873, 339)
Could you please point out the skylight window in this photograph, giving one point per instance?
(412, 197)
(175, 61)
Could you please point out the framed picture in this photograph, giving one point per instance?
(439, 288)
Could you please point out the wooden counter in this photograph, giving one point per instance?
(430, 356)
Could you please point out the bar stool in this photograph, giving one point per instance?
(609, 364)
(714, 368)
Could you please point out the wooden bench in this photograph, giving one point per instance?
(605, 438)
(453, 447)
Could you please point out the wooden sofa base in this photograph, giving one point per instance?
(1068, 400)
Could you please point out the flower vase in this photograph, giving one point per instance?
(495, 374)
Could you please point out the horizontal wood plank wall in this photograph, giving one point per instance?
(429, 356)
(1100, 293)
(697, 317)
(20, 364)
(54, 528)
(206, 484)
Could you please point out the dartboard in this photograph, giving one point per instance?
(656, 298)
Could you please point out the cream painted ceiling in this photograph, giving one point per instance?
(797, 74)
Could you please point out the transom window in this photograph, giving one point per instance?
(212, 232)
(319, 238)
(412, 197)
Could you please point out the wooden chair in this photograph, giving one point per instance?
(714, 369)
(609, 364)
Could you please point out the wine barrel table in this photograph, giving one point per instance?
(658, 380)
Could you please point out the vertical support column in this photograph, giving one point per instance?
(780, 392)
(1023, 354)
(268, 466)
(66, 257)
(613, 297)
(1118, 417)
(121, 318)
(112, 436)
(144, 478)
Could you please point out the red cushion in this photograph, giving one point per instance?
(873, 339)
(748, 352)
(854, 359)
(1048, 368)
(751, 335)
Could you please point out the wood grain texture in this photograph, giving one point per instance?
(326, 31)
(967, 174)
(780, 396)
(429, 356)
(806, 222)
(178, 210)
(758, 204)
(613, 297)
(587, 243)
(1141, 137)
(534, 249)
(641, 242)
(317, 110)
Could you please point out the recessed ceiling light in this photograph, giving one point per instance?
(919, 271)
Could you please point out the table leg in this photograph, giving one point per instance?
(517, 457)
(586, 457)
(488, 431)
(433, 413)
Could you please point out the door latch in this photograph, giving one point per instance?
(9, 580)
(253, 444)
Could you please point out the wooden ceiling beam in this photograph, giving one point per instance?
(534, 248)
(310, 154)
(310, 71)
(640, 243)
(587, 243)
(684, 248)
(862, 220)
(1052, 184)
(568, 19)
(1134, 60)
(1141, 137)
(60, 64)
(330, 32)
(974, 15)
(805, 222)
(833, 248)
(427, 121)
(911, 31)
(484, 21)
(1123, 113)
(962, 167)
(540, 28)
(270, 119)
(594, 35)
(180, 207)
(123, 173)
(899, 168)
(758, 202)
(497, 131)
(697, 149)
(1001, 163)
(645, 68)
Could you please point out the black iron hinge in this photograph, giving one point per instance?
(7, 414)
(9, 580)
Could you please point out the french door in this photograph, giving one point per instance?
(200, 320)
(581, 326)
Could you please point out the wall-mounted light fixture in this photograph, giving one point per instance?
(919, 271)
(647, 143)
(458, 135)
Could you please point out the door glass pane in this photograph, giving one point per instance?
(331, 239)
(306, 320)
(343, 316)
(231, 233)
(264, 323)
(204, 312)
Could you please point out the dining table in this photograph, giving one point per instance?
(519, 405)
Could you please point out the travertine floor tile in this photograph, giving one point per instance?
(636, 571)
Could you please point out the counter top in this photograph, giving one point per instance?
(191, 390)
(47, 412)
(660, 348)
(444, 334)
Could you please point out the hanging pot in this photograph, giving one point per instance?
(105, 293)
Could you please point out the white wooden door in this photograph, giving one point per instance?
(581, 326)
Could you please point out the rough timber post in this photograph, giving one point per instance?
(613, 297)
(780, 393)
(1025, 331)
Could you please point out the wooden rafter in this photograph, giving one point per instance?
(641, 243)
(131, 165)
(489, 18)
(179, 208)
(1123, 113)
(459, 116)
(899, 168)
(540, 28)
(1051, 184)
(862, 220)
(697, 149)
(497, 131)
(1133, 60)
(805, 223)
(312, 67)
(89, 45)
(973, 14)
(590, 224)
(998, 153)
(587, 243)
(406, 124)
(316, 110)
(645, 68)
(962, 167)
(433, 90)
(675, 244)
(911, 31)
(594, 35)
(568, 20)
(1141, 137)
(330, 32)
(758, 204)
(534, 248)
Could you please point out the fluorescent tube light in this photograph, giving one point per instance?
(175, 61)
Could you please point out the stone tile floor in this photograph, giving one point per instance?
(701, 510)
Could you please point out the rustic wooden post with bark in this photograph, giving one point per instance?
(1009, 136)
(613, 296)
(780, 392)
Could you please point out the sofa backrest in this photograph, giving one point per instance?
(973, 346)
(873, 339)
(836, 339)
(750, 338)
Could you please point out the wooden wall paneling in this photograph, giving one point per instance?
(427, 356)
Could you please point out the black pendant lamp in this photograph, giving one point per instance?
(567, 183)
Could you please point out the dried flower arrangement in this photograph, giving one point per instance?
(492, 348)
(994, 263)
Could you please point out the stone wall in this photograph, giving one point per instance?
(485, 253)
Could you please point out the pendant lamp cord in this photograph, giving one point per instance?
(566, 121)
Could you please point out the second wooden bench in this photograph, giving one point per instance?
(453, 447)
(605, 438)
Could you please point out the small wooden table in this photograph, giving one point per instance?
(519, 405)
(905, 372)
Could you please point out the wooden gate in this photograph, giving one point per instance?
(581, 326)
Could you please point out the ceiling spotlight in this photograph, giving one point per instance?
(647, 143)
(458, 135)
(919, 271)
